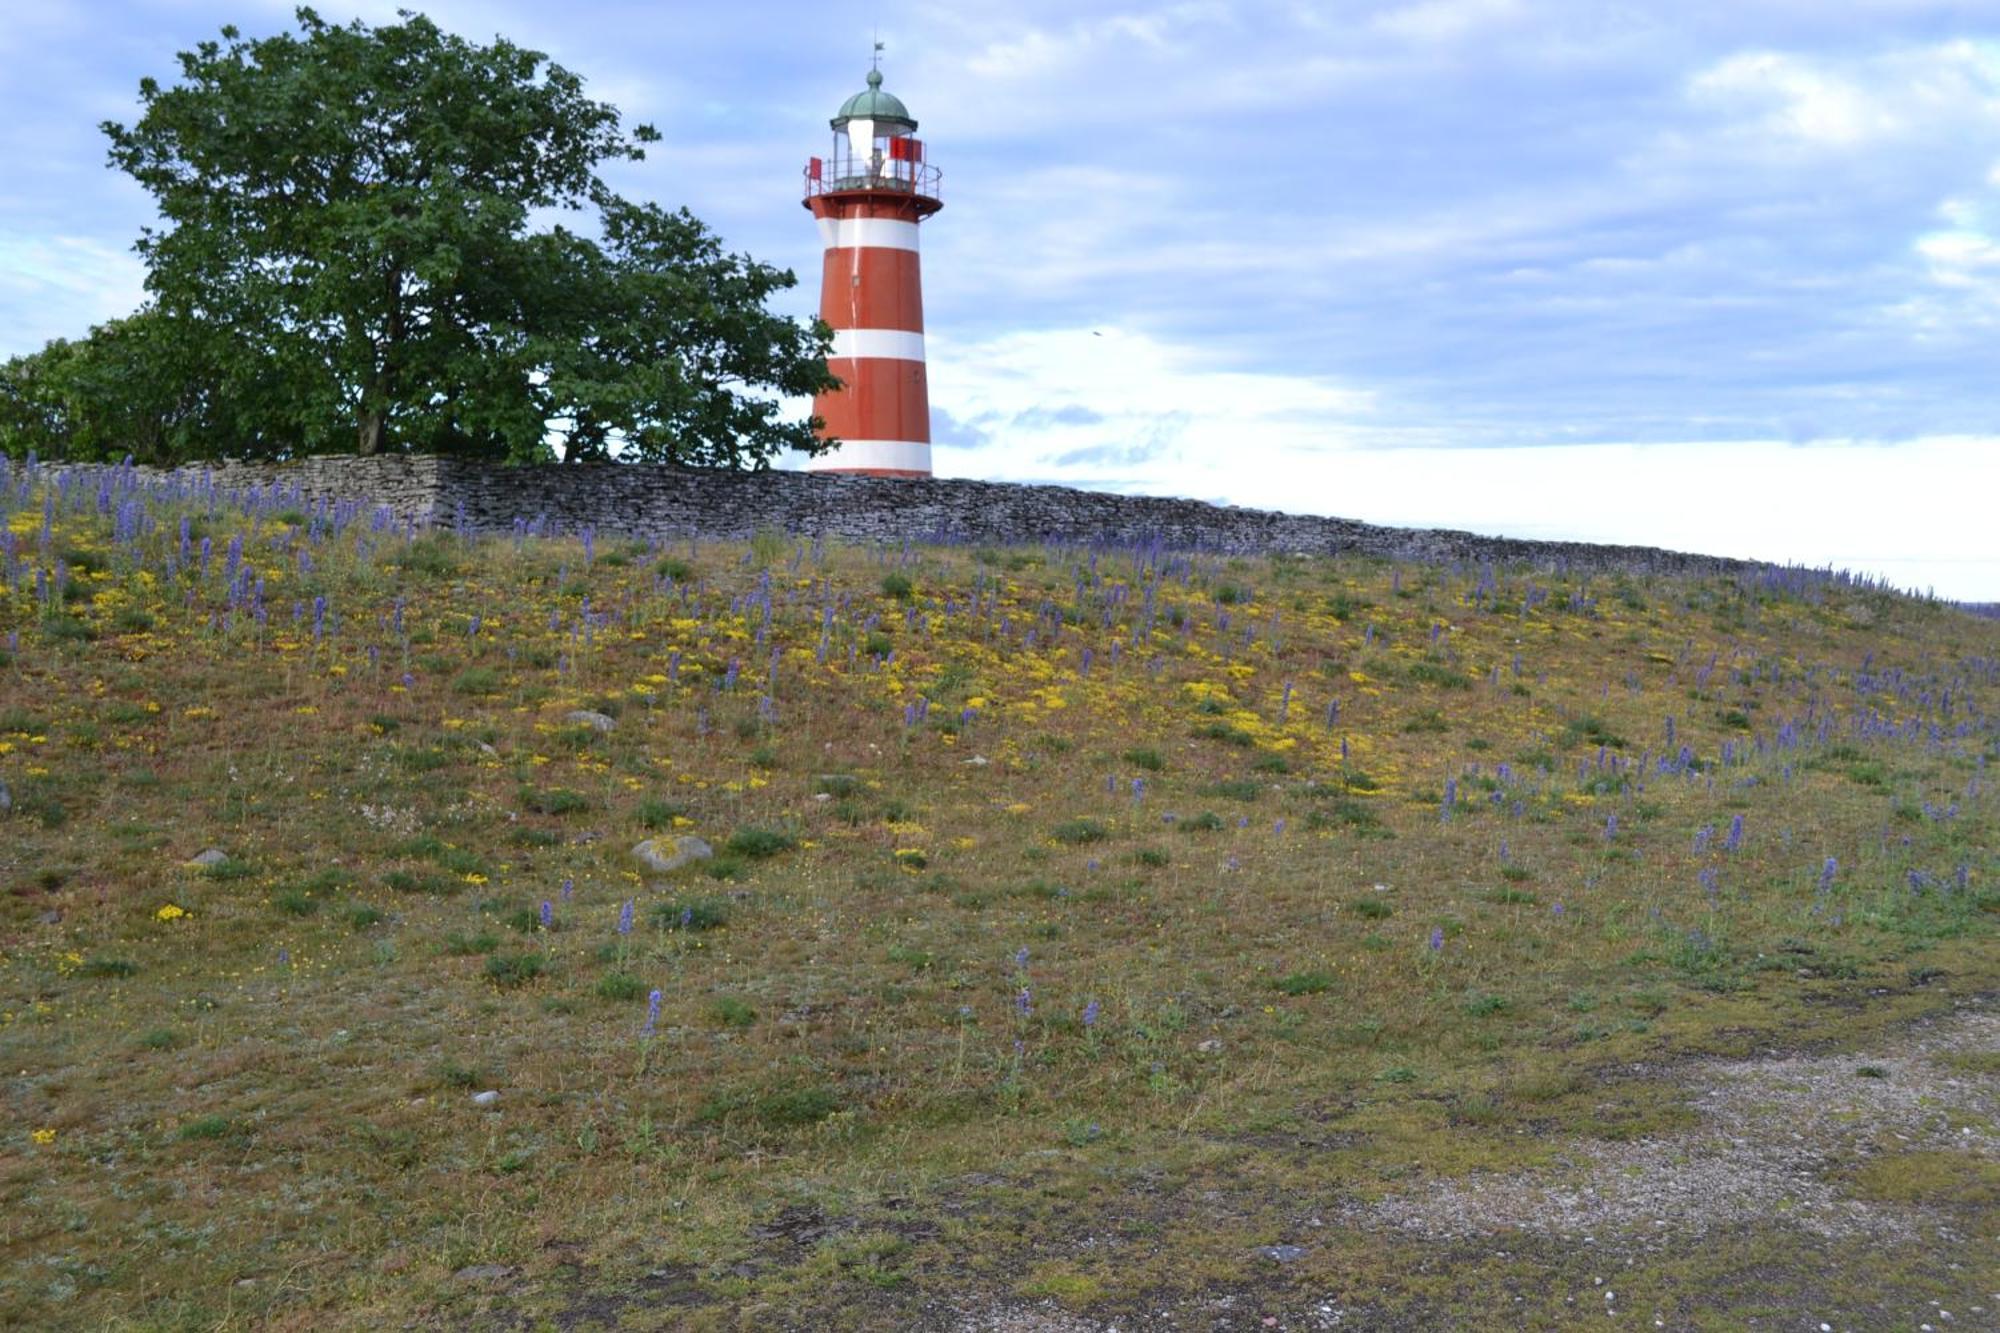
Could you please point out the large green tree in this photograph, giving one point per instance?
(356, 255)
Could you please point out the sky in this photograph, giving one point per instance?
(1717, 275)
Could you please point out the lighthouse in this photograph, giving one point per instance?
(868, 196)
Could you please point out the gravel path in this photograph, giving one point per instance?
(1775, 1136)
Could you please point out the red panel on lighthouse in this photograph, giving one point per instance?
(869, 288)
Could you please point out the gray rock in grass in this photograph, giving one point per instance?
(584, 717)
(213, 856)
(664, 855)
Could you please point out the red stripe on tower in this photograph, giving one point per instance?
(868, 198)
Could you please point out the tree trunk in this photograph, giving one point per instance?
(377, 395)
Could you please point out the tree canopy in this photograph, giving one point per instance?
(356, 255)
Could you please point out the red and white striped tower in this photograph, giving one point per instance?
(869, 197)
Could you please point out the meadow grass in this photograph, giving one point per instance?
(1038, 872)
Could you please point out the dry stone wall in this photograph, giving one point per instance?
(662, 502)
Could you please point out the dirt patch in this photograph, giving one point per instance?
(1779, 1139)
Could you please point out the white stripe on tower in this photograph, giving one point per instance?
(882, 456)
(879, 233)
(898, 344)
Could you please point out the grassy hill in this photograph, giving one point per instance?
(1090, 933)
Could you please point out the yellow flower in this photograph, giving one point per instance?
(44, 1137)
(170, 912)
(475, 878)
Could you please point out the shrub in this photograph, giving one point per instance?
(1147, 759)
(659, 814)
(732, 1012)
(205, 1127)
(509, 970)
(897, 586)
(1593, 730)
(404, 881)
(1373, 909)
(691, 913)
(1076, 832)
(554, 800)
(1434, 673)
(1305, 983)
(477, 681)
(772, 1108)
(620, 986)
(757, 841)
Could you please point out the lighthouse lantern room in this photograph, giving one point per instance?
(868, 196)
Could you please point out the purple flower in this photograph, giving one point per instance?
(1611, 826)
(1090, 1012)
(1024, 1003)
(1450, 799)
(548, 914)
(1826, 875)
(1437, 938)
(1021, 956)
(568, 887)
(652, 1014)
(1556, 910)
(1735, 838)
(625, 918)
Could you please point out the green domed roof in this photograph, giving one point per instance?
(874, 104)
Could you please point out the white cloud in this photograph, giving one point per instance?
(1446, 20)
(1098, 403)
(1779, 101)
(57, 286)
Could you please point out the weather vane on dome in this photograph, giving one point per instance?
(876, 62)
